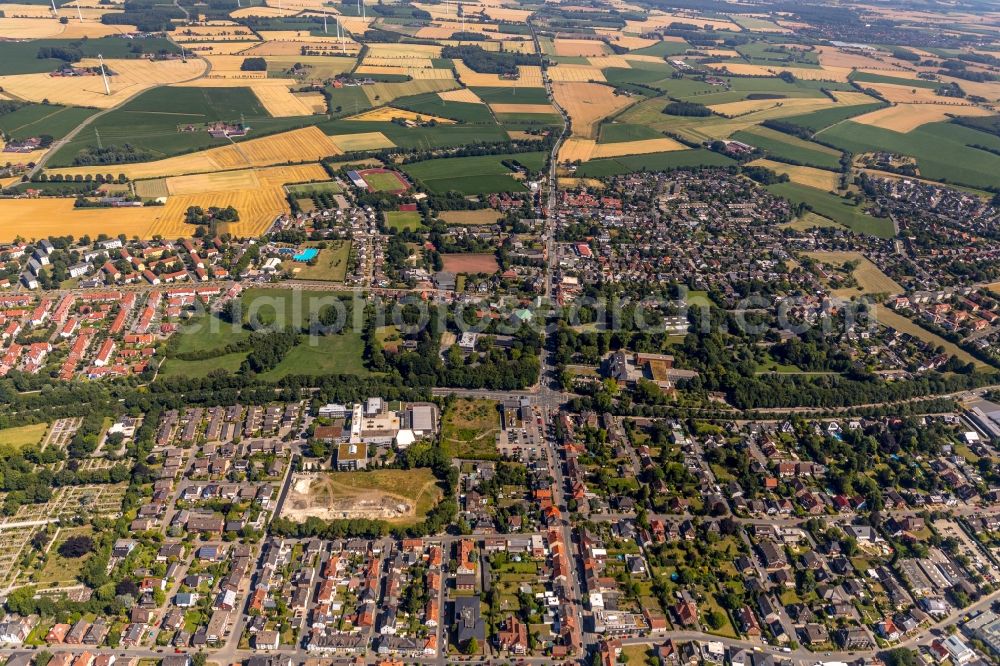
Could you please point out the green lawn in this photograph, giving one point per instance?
(337, 354)
(382, 182)
(401, 220)
(331, 263)
(174, 367)
(834, 207)
(22, 436)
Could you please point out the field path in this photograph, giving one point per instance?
(57, 145)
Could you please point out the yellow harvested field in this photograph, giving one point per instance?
(54, 217)
(29, 28)
(852, 98)
(630, 42)
(245, 179)
(131, 77)
(421, 73)
(295, 47)
(581, 182)
(262, 11)
(530, 77)
(383, 93)
(386, 113)
(587, 104)
(403, 51)
(805, 73)
(460, 95)
(643, 147)
(575, 73)
(987, 89)
(834, 57)
(604, 62)
(820, 179)
(521, 135)
(214, 33)
(517, 46)
(576, 149)
(313, 100)
(587, 48)
(908, 117)
(906, 94)
(657, 20)
(281, 103)
(870, 279)
(718, 53)
(507, 14)
(219, 48)
(350, 143)
(522, 108)
(308, 144)
(747, 106)
(396, 61)
(94, 30)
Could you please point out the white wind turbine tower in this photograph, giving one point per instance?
(54, 10)
(104, 75)
(324, 24)
(79, 12)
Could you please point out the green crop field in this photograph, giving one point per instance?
(818, 120)
(658, 79)
(432, 105)
(403, 220)
(834, 207)
(307, 189)
(652, 162)
(347, 101)
(37, 119)
(22, 58)
(621, 132)
(785, 146)
(512, 95)
(471, 175)
(529, 120)
(663, 49)
(941, 149)
(868, 77)
(150, 122)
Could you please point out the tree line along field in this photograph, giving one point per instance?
(473, 175)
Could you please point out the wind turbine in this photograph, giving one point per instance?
(325, 31)
(79, 12)
(104, 75)
(54, 10)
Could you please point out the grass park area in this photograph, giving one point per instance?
(835, 208)
(22, 436)
(334, 353)
(330, 263)
(403, 220)
(59, 569)
(469, 429)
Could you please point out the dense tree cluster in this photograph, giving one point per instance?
(687, 109)
(489, 62)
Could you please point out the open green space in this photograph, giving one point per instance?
(652, 162)
(469, 429)
(787, 147)
(817, 120)
(663, 49)
(330, 263)
(482, 174)
(512, 95)
(37, 119)
(403, 220)
(336, 354)
(59, 569)
(622, 132)
(432, 105)
(152, 122)
(836, 208)
(22, 436)
(941, 149)
(869, 77)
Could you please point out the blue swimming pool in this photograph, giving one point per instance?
(306, 255)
